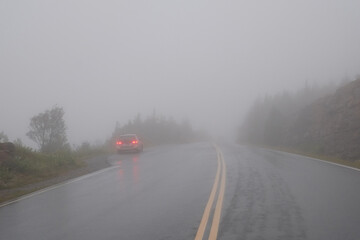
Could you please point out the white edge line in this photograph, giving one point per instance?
(319, 160)
(58, 185)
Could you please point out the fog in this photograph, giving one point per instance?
(204, 61)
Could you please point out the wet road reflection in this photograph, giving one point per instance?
(127, 162)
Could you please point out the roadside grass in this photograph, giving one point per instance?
(27, 166)
(332, 159)
(87, 151)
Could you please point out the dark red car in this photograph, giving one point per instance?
(129, 142)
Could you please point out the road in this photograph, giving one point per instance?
(176, 191)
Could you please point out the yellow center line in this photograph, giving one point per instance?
(204, 220)
(217, 214)
(221, 169)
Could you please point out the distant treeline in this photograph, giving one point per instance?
(159, 130)
(317, 119)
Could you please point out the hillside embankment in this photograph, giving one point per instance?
(313, 121)
(331, 125)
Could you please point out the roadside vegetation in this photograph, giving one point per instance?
(27, 166)
(21, 165)
(317, 121)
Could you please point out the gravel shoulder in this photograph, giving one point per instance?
(91, 165)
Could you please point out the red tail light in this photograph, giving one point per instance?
(134, 142)
(119, 142)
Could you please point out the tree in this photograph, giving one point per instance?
(48, 130)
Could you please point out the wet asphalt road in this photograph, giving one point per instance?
(162, 193)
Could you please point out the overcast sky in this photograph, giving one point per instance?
(205, 61)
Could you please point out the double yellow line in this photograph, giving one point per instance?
(219, 179)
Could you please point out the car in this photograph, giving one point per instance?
(129, 142)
